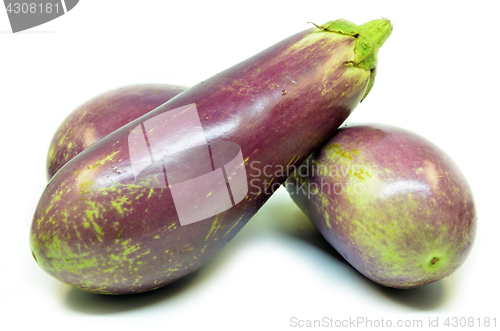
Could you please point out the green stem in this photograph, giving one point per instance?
(369, 38)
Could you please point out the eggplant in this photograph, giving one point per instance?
(111, 220)
(391, 202)
(101, 115)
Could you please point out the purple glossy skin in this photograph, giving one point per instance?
(102, 115)
(399, 210)
(98, 231)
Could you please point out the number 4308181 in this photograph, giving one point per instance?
(32, 8)
(470, 322)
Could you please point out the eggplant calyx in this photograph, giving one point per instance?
(369, 36)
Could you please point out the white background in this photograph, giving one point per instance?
(438, 76)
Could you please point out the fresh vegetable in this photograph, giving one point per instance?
(393, 204)
(102, 115)
(98, 229)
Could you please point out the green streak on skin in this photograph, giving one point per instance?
(123, 195)
(134, 186)
(39, 221)
(325, 203)
(118, 205)
(76, 231)
(92, 211)
(107, 158)
(98, 230)
(65, 214)
(57, 196)
(125, 255)
(212, 228)
(327, 219)
(308, 41)
(57, 250)
(130, 249)
(145, 182)
(232, 227)
(110, 269)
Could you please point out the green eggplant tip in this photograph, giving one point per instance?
(369, 36)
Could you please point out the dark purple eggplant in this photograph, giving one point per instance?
(100, 228)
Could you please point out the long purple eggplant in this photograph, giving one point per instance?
(102, 115)
(101, 227)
